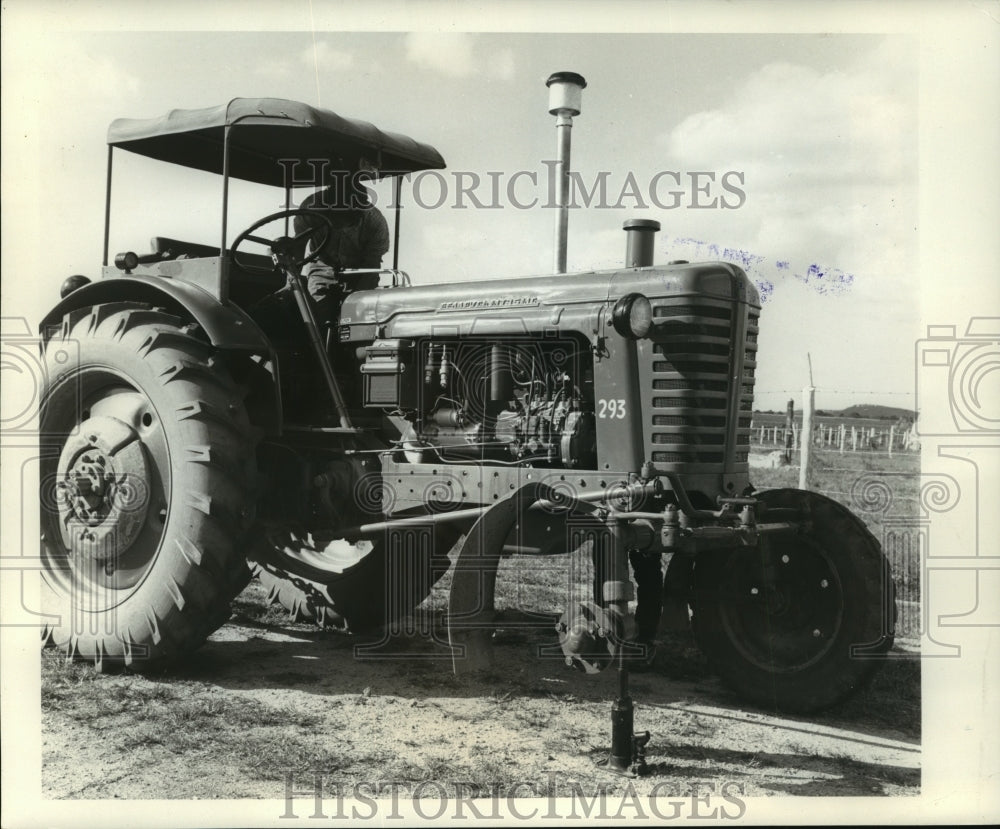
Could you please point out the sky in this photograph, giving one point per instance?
(815, 134)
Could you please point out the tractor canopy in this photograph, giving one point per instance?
(265, 136)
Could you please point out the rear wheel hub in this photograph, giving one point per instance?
(103, 488)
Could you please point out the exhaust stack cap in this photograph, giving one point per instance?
(639, 235)
(565, 92)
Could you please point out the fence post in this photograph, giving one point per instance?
(841, 436)
(789, 425)
(808, 404)
(854, 438)
(892, 437)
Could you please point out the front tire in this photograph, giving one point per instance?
(803, 623)
(145, 487)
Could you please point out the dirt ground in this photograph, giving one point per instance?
(267, 703)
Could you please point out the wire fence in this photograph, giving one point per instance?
(844, 437)
(831, 471)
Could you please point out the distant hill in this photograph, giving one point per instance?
(863, 411)
(875, 411)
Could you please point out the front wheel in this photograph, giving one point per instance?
(145, 501)
(802, 621)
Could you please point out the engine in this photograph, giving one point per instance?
(523, 401)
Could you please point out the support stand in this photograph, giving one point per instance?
(628, 749)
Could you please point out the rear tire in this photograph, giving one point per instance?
(369, 590)
(145, 477)
(301, 599)
(806, 625)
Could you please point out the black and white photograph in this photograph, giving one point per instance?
(533, 414)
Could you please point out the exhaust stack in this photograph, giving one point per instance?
(639, 237)
(565, 92)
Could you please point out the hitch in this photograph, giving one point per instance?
(471, 611)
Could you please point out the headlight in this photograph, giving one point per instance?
(127, 261)
(632, 316)
(72, 283)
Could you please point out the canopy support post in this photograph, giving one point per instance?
(223, 259)
(397, 186)
(107, 207)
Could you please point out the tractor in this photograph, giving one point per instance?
(190, 440)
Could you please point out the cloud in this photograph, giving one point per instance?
(449, 53)
(321, 58)
(93, 77)
(503, 65)
(791, 119)
(273, 68)
(109, 79)
(459, 55)
(326, 58)
(786, 120)
(828, 230)
(829, 160)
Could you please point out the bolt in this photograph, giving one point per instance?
(785, 559)
(754, 591)
(824, 583)
(816, 634)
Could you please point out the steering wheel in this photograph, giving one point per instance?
(285, 244)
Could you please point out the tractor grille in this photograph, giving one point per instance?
(695, 420)
(741, 441)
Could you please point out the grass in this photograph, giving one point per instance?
(891, 701)
(189, 719)
(882, 491)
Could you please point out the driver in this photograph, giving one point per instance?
(359, 238)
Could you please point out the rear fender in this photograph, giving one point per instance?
(226, 326)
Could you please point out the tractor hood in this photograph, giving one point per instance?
(565, 299)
